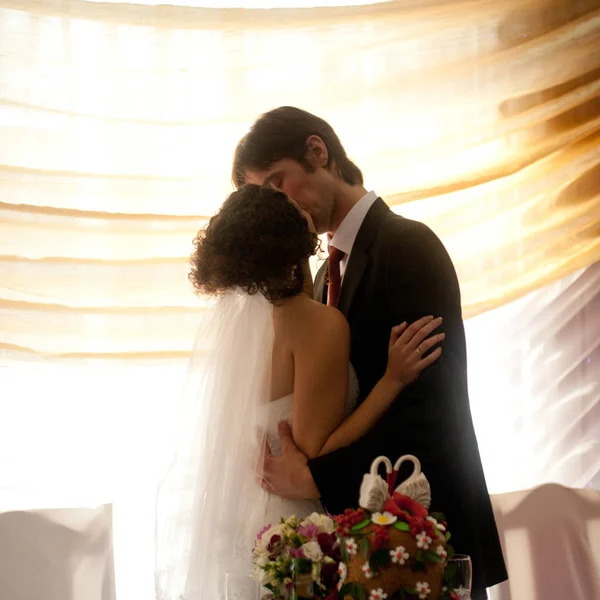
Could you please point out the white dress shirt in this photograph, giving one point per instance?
(348, 230)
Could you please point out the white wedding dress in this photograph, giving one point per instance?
(209, 506)
(276, 507)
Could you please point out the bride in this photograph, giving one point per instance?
(266, 353)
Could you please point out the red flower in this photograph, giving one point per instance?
(275, 539)
(349, 519)
(329, 575)
(411, 506)
(381, 538)
(326, 542)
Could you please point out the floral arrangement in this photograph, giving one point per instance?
(295, 550)
(324, 558)
(366, 534)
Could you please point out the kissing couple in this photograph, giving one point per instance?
(299, 385)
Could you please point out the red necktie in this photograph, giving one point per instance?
(334, 273)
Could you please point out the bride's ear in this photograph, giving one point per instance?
(293, 273)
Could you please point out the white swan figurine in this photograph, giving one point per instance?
(374, 491)
(416, 486)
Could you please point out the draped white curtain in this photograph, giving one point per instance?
(117, 126)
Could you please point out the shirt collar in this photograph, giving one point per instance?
(348, 230)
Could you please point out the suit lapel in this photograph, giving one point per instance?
(359, 257)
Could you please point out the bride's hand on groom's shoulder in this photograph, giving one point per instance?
(286, 475)
(409, 349)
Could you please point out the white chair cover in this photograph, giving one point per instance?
(58, 554)
(551, 541)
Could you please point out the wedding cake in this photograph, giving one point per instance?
(391, 547)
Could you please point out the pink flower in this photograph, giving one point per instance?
(262, 532)
(441, 551)
(377, 594)
(297, 553)
(309, 531)
(366, 569)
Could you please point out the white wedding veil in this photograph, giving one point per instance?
(209, 506)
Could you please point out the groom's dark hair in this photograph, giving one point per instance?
(282, 133)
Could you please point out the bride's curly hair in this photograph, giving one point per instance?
(257, 241)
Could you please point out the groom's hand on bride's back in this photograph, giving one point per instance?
(286, 475)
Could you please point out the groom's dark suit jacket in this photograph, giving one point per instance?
(400, 271)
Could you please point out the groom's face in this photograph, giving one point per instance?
(313, 192)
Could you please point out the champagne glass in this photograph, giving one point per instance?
(302, 579)
(240, 585)
(460, 575)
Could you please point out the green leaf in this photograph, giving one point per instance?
(450, 573)
(360, 526)
(302, 565)
(419, 564)
(364, 548)
(347, 589)
(433, 557)
(410, 590)
(447, 536)
(450, 551)
(401, 526)
(446, 595)
(398, 595)
(379, 558)
(360, 592)
(345, 556)
(438, 516)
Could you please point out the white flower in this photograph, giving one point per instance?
(399, 555)
(441, 551)
(323, 522)
(312, 551)
(343, 573)
(366, 569)
(351, 546)
(437, 525)
(262, 560)
(383, 519)
(423, 540)
(423, 590)
(261, 545)
(377, 594)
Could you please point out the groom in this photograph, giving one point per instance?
(392, 270)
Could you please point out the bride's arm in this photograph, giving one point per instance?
(405, 364)
(316, 414)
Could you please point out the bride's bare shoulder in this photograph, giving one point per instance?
(303, 317)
